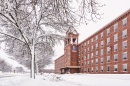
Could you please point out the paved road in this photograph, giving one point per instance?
(5, 76)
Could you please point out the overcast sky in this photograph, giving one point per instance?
(112, 10)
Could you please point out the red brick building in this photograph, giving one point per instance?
(106, 51)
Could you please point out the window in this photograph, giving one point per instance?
(124, 67)
(88, 69)
(84, 57)
(101, 68)
(96, 53)
(96, 61)
(96, 68)
(82, 45)
(115, 27)
(88, 42)
(108, 68)
(74, 48)
(91, 55)
(116, 57)
(85, 44)
(115, 37)
(108, 50)
(84, 51)
(96, 38)
(74, 40)
(101, 43)
(124, 33)
(115, 68)
(92, 40)
(102, 35)
(124, 22)
(108, 58)
(88, 63)
(108, 31)
(91, 61)
(101, 52)
(84, 63)
(101, 60)
(92, 48)
(97, 46)
(84, 69)
(79, 59)
(124, 55)
(124, 45)
(108, 40)
(88, 56)
(115, 47)
(79, 54)
(92, 69)
(88, 49)
(79, 64)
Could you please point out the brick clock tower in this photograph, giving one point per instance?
(71, 52)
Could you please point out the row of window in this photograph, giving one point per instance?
(124, 57)
(124, 23)
(124, 46)
(108, 40)
(124, 68)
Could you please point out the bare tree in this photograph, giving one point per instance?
(35, 26)
(4, 66)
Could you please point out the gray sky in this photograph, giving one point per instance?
(112, 10)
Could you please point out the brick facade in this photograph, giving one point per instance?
(106, 51)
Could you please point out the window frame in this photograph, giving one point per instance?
(124, 22)
(115, 27)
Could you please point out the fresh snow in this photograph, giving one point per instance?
(66, 80)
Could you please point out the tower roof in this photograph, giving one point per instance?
(72, 30)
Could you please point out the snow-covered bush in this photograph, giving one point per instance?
(52, 77)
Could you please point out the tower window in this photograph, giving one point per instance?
(74, 40)
(74, 48)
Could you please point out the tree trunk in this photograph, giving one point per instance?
(36, 69)
(32, 63)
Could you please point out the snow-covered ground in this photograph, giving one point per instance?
(67, 80)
